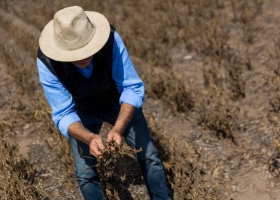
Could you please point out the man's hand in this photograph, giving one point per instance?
(116, 136)
(94, 141)
(125, 115)
(96, 146)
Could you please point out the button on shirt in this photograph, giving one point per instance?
(129, 85)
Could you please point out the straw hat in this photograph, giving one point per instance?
(74, 34)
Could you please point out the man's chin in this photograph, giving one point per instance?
(82, 66)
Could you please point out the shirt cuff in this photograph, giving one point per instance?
(128, 96)
(65, 122)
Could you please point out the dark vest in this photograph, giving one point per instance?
(96, 94)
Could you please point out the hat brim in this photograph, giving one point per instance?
(102, 32)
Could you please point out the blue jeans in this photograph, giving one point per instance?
(137, 135)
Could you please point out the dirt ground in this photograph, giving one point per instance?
(237, 154)
(248, 162)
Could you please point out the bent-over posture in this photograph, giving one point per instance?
(88, 78)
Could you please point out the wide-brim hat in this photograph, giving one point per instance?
(74, 34)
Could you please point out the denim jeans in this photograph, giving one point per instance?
(137, 135)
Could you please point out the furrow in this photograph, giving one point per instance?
(25, 34)
(20, 64)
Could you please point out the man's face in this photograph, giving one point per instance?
(83, 63)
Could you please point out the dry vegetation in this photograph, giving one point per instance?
(18, 178)
(226, 39)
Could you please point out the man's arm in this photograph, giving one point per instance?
(129, 85)
(79, 132)
(64, 115)
(128, 82)
(59, 99)
(125, 115)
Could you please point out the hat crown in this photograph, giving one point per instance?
(74, 34)
(72, 28)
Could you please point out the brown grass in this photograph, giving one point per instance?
(18, 177)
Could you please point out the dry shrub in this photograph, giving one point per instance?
(187, 177)
(215, 107)
(166, 87)
(226, 76)
(222, 65)
(27, 34)
(213, 74)
(215, 111)
(60, 158)
(275, 100)
(245, 13)
(117, 169)
(275, 80)
(274, 112)
(274, 162)
(18, 177)
(213, 42)
(19, 65)
(236, 82)
(64, 162)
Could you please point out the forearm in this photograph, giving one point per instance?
(125, 115)
(79, 132)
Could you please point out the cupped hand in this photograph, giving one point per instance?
(96, 146)
(115, 136)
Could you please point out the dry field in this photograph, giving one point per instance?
(212, 75)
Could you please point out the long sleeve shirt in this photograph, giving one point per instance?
(128, 83)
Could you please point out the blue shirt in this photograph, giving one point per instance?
(130, 86)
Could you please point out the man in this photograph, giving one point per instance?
(88, 78)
